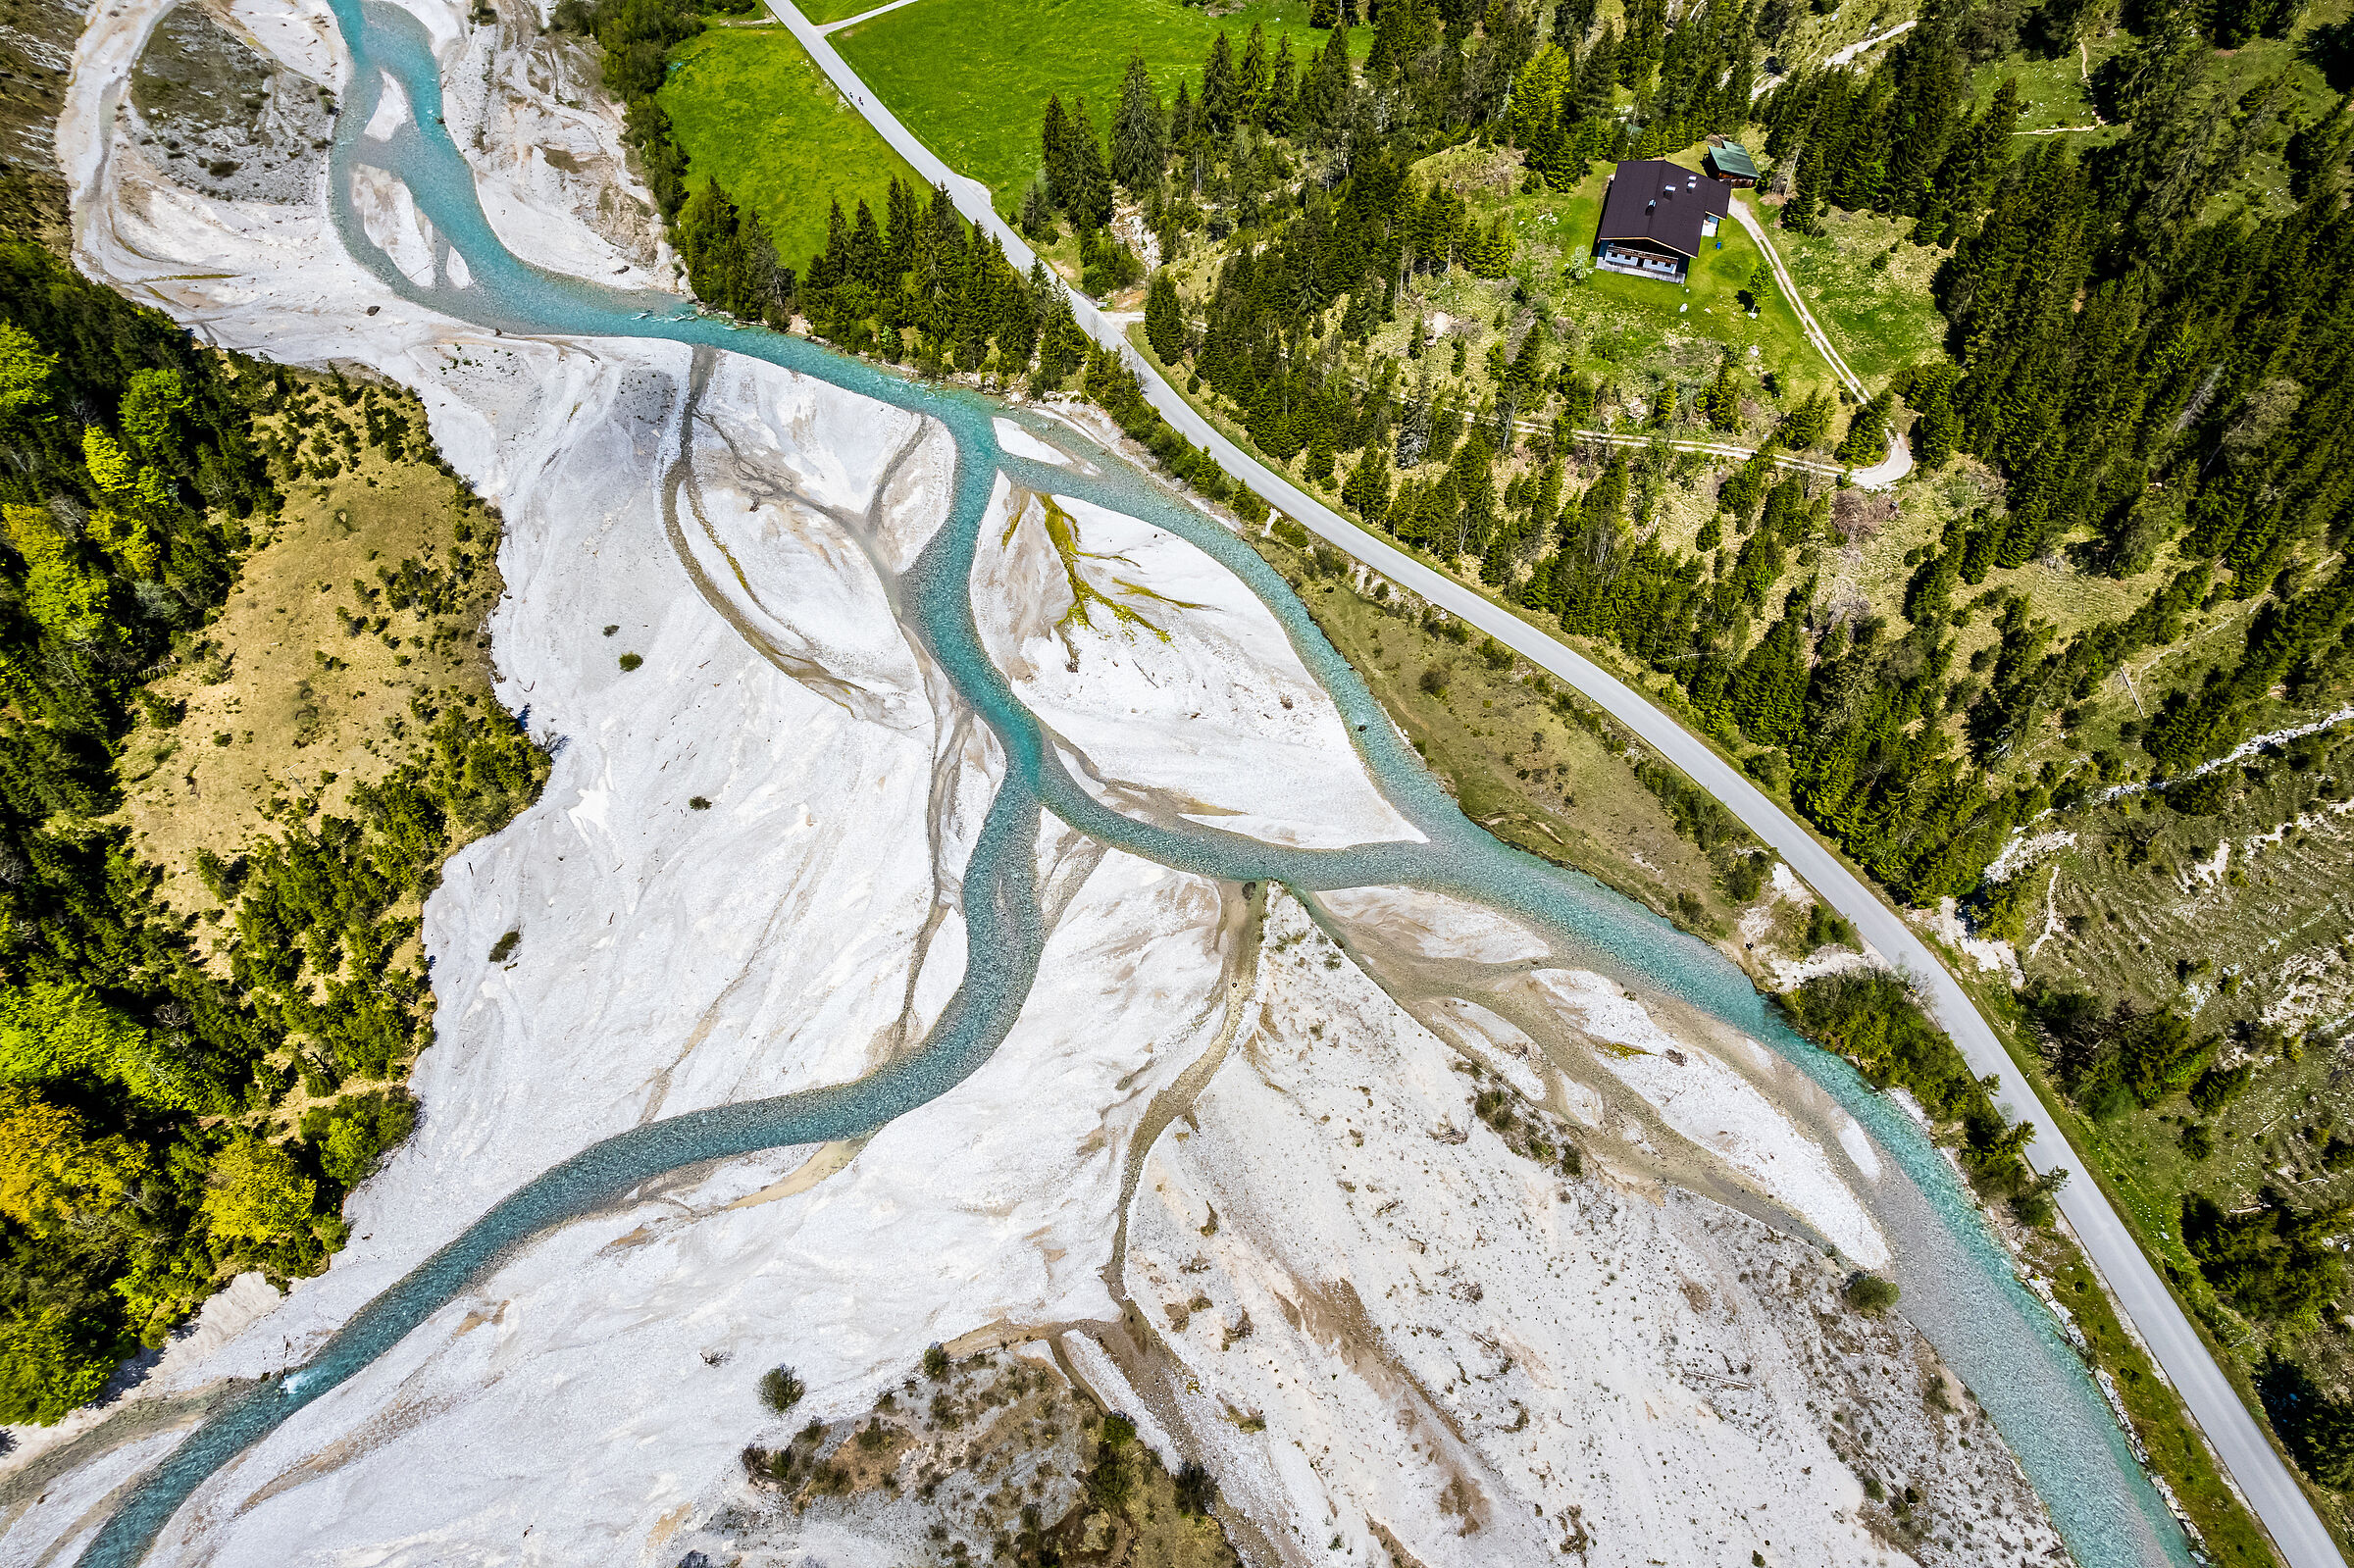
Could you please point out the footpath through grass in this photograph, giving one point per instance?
(972, 76)
(1867, 286)
(755, 113)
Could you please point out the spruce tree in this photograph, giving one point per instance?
(1091, 206)
(1136, 150)
(1251, 77)
(1722, 400)
(1275, 114)
(1598, 76)
(1060, 155)
(1367, 490)
(1806, 425)
(1867, 438)
(1164, 319)
(1324, 95)
(1218, 86)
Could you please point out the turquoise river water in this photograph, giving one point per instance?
(1957, 1283)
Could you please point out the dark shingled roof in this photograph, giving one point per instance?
(1654, 201)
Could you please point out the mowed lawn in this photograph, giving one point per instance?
(755, 113)
(972, 76)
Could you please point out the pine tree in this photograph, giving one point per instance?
(1136, 150)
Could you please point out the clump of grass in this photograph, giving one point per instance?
(631, 661)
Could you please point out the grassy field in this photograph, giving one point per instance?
(283, 699)
(1518, 766)
(982, 117)
(1633, 331)
(1641, 326)
(1879, 316)
(754, 113)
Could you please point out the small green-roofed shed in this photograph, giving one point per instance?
(1731, 163)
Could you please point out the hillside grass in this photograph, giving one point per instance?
(1881, 317)
(282, 701)
(1515, 761)
(755, 113)
(981, 113)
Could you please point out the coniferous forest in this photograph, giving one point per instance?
(182, 1102)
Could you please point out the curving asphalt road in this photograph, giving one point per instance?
(2141, 1296)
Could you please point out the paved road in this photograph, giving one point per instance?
(2141, 1296)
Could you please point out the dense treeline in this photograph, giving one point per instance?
(137, 1081)
(2140, 376)
(1872, 1020)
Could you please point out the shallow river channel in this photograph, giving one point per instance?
(1957, 1281)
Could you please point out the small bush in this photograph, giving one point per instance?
(699, 803)
(2218, 1086)
(780, 1389)
(1196, 1493)
(631, 661)
(1434, 682)
(936, 1362)
(1868, 1294)
(504, 949)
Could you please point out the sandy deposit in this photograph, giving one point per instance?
(1178, 693)
(1431, 1349)
(1406, 1340)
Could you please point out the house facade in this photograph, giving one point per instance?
(1654, 217)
